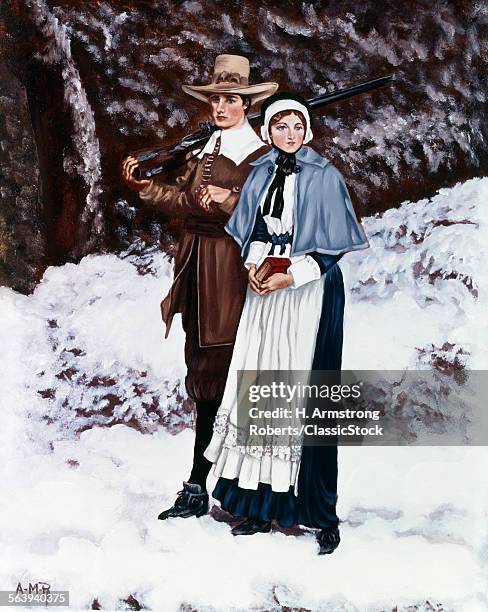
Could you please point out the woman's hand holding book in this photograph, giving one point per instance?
(278, 280)
(253, 282)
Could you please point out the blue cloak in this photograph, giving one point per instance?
(324, 217)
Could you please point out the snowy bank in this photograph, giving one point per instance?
(96, 439)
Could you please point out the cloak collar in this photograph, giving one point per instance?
(236, 143)
(305, 155)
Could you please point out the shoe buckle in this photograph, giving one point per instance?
(194, 498)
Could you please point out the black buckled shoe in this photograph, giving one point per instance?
(328, 540)
(251, 526)
(191, 501)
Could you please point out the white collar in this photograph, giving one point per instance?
(235, 143)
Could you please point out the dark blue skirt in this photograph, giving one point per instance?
(315, 504)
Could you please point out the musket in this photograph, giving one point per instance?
(155, 160)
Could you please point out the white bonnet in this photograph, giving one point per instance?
(282, 105)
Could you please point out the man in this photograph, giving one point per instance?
(210, 281)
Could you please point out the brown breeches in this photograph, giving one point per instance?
(207, 366)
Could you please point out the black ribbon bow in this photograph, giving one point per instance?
(285, 165)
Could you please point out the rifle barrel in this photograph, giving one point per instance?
(339, 94)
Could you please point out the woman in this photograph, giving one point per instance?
(294, 205)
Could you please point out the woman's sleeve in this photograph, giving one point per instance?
(258, 240)
(255, 254)
(311, 267)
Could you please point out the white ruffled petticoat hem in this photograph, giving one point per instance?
(235, 463)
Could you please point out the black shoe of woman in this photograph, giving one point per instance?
(251, 526)
(328, 540)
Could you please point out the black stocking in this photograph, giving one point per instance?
(206, 411)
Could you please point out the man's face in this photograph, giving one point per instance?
(227, 110)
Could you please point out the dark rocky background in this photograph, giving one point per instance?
(83, 82)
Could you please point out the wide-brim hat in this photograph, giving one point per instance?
(231, 76)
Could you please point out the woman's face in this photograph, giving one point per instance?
(288, 133)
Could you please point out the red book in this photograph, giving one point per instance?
(272, 265)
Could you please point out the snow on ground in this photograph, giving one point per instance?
(92, 446)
